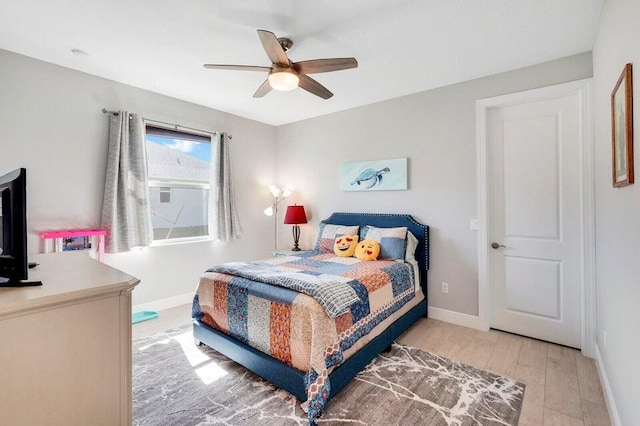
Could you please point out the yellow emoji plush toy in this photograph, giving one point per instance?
(345, 245)
(368, 250)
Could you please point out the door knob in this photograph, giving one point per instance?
(497, 246)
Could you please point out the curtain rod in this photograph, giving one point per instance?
(175, 126)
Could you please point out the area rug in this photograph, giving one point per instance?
(176, 382)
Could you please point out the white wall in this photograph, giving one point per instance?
(436, 131)
(51, 123)
(617, 213)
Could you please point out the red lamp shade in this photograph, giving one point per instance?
(295, 215)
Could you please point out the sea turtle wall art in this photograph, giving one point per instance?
(381, 175)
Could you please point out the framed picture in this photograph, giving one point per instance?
(382, 175)
(622, 129)
(76, 243)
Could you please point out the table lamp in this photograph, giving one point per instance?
(295, 215)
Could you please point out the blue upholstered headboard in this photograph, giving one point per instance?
(387, 220)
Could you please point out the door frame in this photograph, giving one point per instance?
(587, 188)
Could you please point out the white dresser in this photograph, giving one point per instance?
(65, 347)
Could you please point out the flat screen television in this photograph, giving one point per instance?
(13, 230)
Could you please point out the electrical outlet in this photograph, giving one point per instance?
(473, 224)
(445, 288)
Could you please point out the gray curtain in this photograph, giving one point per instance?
(223, 218)
(125, 211)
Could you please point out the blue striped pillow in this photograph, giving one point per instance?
(393, 241)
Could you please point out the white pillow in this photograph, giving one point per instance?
(410, 256)
(412, 245)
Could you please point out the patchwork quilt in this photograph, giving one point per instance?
(304, 310)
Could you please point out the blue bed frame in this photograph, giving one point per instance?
(292, 380)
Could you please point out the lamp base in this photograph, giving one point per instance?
(296, 238)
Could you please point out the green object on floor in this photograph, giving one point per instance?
(143, 316)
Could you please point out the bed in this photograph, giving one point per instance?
(361, 340)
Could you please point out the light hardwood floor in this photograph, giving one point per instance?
(563, 387)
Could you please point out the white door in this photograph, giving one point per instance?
(534, 159)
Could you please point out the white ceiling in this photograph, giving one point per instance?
(402, 47)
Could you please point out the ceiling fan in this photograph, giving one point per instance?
(287, 75)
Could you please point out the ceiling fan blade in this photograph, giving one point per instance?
(325, 65)
(236, 67)
(263, 89)
(312, 86)
(272, 46)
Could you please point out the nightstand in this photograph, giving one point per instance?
(286, 252)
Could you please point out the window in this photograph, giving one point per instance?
(165, 194)
(178, 164)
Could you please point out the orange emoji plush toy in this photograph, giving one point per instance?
(345, 245)
(368, 250)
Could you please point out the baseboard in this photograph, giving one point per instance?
(608, 394)
(169, 302)
(454, 317)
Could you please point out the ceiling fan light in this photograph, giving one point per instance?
(283, 80)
